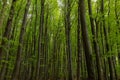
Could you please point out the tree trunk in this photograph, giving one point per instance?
(40, 38)
(86, 42)
(111, 68)
(68, 41)
(8, 27)
(21, 39)
(95, 43)
(79, 50)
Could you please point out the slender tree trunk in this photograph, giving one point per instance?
(34, 40)
(111, 68)
(86, 42)
(46, 45)
(79, 50)
(118, 27)
(8, 27)
(95, 43)
(68, 41)
(21, 39)
(40, 39)
(4, 69)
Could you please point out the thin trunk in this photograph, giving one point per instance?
(46, 46)
(79, 50)
(111, 69)
(68, 41)
(4, 69)
(118, 27)
(95, 43)
(34, 40)
(86, 42)
(40, 39)
(21, 39)
(8, 27)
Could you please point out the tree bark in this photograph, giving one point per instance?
(8, 27)
(40, 39)
(21, 39)
(68, 41)
(86, 42)
(95, 43)
(111, 68)
(79, 50)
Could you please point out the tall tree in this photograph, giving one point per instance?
(95, 42)
(59, 40)
(86, 42)
(68, 39)
(16, 69)
(79, 46)
(40, 39)
(6, 34)
(105, 33)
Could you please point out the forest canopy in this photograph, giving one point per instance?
(59, 40)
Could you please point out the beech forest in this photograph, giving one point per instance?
(59, 39)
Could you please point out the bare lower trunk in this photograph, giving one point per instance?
(86, 42)
(19, 51)
(68, 39)
(79, 50)
(95, 43)
(40, 40)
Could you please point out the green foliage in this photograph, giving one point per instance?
(53, 53)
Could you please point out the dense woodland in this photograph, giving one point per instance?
(59, 39)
